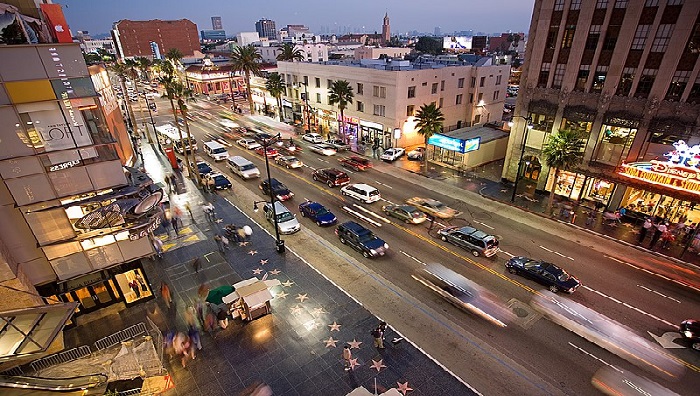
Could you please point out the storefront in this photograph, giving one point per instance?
(371, 132)
(215, 80)
(467, 147)
(352, 127)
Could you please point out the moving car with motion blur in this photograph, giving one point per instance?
(323, 149)
(312, 137)
(690, 330)
(317, 213)
(249, 143)
(548, 274)
(271, 151)
(433, 207)
(279, 190)
(356, 163)
(469, 238)
(289, 161)
(338, 144)
(407, 213)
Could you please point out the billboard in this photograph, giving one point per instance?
(455, 144)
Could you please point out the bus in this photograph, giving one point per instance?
(168, 134)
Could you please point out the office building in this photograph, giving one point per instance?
(213, 35)
(139, 38)
(266, 28)
(216, 23)
(625, 74)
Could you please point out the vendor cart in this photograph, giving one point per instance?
(251, 298)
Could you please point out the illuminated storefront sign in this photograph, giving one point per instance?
(143, 232)
(454, 144)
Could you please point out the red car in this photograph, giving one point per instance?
(271, 152)
(356, 163)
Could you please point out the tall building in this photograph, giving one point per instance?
(216, 23)
(137, 38)
(386, 30)
(625, 74)
(266, 28)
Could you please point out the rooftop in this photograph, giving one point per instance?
(487, 133)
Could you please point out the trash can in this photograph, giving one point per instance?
(280, 246)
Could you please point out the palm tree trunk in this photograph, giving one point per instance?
(550, 201)
(129, 109)
(148, 135)
(249, 93)
(342, 126)
(179, 132)
(279, 107)
(425, 156)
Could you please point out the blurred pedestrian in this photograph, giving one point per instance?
(168, 343)
(209, 321)
(347, 355)
(660, 229)
(165, 293)
(645, 229)
(189, 210)
(377, 335)
(190, 316)
(158, 246)
(193, 333)
(174, 223)
(667, 238)
(219, 244)
(203, 291)
(224, 242)
(590, 219)
(197, 265)
(166, 224)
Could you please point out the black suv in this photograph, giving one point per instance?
(361, 239)
(331, 176)
(280, 191)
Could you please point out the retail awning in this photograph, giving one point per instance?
(30, 331)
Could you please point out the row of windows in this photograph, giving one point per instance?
(603, 4)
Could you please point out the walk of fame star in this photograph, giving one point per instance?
(257, 271)
(318, 311)
(288, 283)
(354, 344)
(335, 326)
(242, 243)
(377, 364)
(281, 294)
(404, 388)
(353, 363)
(219, 220)
(263, 262)
(302, 297)
(330, 342)
(252, 252)
(296, 310)
(275, 271)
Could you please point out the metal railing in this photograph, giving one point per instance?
(157, 340)
(61, 357)
(120, 336)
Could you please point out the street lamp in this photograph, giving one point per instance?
(528, 126)
(279, 243)
(153, 124)
(308, 113)
(230, 89)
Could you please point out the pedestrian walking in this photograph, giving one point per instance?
(219, 243)
(166, 224)
(174, 223)
(378, 342)
(189, 210)
(667, 238)
(660, 229)
(190, 316)
(241, 235)
(645, 229)
(158, 246)
(193, 333)
(197, 265)
(225, 243)
(590, 219)
(173, 183)
(165, 293)
(347, 355)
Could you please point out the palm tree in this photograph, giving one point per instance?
(121, 71)
(276, 87)
(173, 88)
(290, 53)
(132, 69)
(562, 151)
(247, 60)
(429, 121)
(144, 64)
(341, 94)
(183, 94)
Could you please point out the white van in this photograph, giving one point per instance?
(362, 192)
(216, 150)
(243, 168)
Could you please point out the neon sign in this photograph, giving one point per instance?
(454, 144)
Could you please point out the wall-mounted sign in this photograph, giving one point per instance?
(666, 174)
(143, 232)
(64, 165)
(454, 144)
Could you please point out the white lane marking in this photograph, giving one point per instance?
(385, 185)
(387, 201)
(559, 254)
(411, 257)
(595, 357)
(361, 216)
(507, 254)
(322, 160)
(485, 225)
(369, 212)
(624, 304)
(659, 293)
(544, 248)
(654, 273)
(441, 225)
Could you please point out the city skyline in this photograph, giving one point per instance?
(363, 16)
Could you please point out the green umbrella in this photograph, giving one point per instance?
(215, 296)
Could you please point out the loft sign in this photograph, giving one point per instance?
(143, 232)
(64, 165)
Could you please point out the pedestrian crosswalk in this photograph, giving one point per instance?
(188, 235)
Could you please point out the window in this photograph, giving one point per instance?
(477, 118)
(318, 82)
(552, 36)
(625, 85)
(694, 96)
(646, 81)
(306, 80)
(599, 78)
(693, 46)
(678, 83)
(640, 37)
(601, 4)
(318, 98)
(471, 98)
(498, 80)
(330, 83)
(440, 103)
(582, 78)
(593, 37)
(620, 3)
(675, 2)
(482, 81)
(558, 5)
(379, 110)
(442, 85)
(458, 99)
(496, 95)
(409, 110)
(568, 38)
(411, 92)
(651, 3)
(360, 88)
(544, 75)
(460, 83)
(379, 92)
(575, 5)
(663, 37)
(610, 39)
(479, 98)
(360, 106)
(558, 75)
(473, 82)
(434, 89)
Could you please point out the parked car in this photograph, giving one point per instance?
(289, 161)
(548, 274)
(469, 238)
(287, 223)
(221, 182)
(407, 213)
(361, 239)
(362, 192)
(279, 190)
(202, 167)
(338, 144)
(690, 330)
(248, 143)
(312, 137)
(416, 154)
(331, 176)
(317, 213)
(392, 154)
(271, 151)
(323, 149)
(433, 207)
(356, 163)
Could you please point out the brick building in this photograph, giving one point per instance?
(139, 38)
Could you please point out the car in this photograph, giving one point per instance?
(290, 148)
(287, 223)
(312, 137)
(289, 161)
(392, 154)
(202, 167)
(271, 152)
(548, 274)
(338, 144)
(433, 207)
(408, 213)
(690, 330)
(279, 190)
(416, 154)
(263, 136)
(469, 238)
(323, 149)
(221, 182)
(250, 144)
(361, 192)
(361, 239)
(331, 176)
(356, 163)
(318, 213)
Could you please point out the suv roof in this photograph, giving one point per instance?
(355, 228)
(333, 172)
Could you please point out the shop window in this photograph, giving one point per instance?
(599, 79)
(646, 81)
(582, 78)
(133, 286)
(569, 184)
(460, 83)
(678, 84)
(411, 92)
(598, 190)
(593, 37)
(626, 79)
(542, 122)
(663, 37)
(582, 127)
(614, 144)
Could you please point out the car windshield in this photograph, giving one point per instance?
(219, 179)
(285, 216)
(248, 167)
(531, 265)
(366, 237)
(373, 192)
(219, 150)
(321, 211)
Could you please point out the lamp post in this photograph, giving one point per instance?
(279, 243)
(306, 101)
(528, 126)
(153, 124)
(230, 89)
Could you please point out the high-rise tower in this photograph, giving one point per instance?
(216, 23)
(386, 30)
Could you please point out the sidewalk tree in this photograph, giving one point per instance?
(562, 152)
(341, 94)
(121, 71)
(172, 89)
(429, 121)
(247, 60)
(276, 87)
(132, 71)
(290, 53)
(144, 65)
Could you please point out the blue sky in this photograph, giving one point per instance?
(489, 16)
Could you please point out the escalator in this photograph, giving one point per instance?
(24, 385)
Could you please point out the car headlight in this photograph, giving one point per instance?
(386, 246)
(688, 334)
(373, 251)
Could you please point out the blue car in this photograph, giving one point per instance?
(318, 213)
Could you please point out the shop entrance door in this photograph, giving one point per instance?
(93, 297)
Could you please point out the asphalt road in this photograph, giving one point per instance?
(533, 351)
